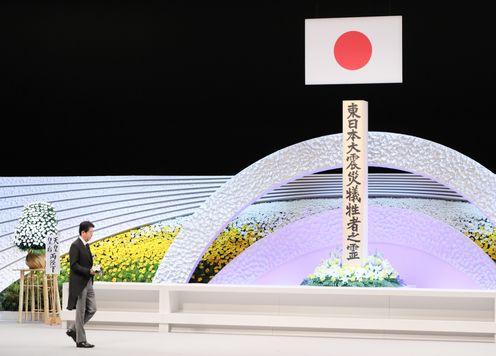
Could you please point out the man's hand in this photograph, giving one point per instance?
(92, 272)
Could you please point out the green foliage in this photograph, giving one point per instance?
(9, 297)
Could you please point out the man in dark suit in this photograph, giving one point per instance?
(81, 293)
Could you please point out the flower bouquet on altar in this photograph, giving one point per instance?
(376, 272)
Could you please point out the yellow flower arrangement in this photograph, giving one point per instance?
(134, 256)
(486, 239)
(130, 256)
(229, 244)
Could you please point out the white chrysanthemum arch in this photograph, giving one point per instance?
(408, 153)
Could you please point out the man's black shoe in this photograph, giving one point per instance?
(72, 334)
(84, 344)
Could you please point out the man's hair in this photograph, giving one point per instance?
(85, 226)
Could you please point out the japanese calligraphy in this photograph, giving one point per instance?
(354, 181)
(52, 265)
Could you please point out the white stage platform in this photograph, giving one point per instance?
(403, 313)
(28, 339)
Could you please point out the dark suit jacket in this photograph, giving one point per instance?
(81, 262)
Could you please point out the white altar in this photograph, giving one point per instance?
(406, 313)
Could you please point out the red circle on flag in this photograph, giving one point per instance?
(352, 50)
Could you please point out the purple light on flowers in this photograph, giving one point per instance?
(427, 253)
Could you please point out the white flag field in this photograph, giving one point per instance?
(354, 50)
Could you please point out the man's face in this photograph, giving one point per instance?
(87, 235)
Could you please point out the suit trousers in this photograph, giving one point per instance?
(85, 309)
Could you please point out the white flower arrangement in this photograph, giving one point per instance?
(37, 221)
(376, 272)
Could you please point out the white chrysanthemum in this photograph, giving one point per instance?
(36, 222)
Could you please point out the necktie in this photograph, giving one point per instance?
(89, 251)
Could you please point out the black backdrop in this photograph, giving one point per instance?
(181, 87)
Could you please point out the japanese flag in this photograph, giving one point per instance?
(353, 50)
